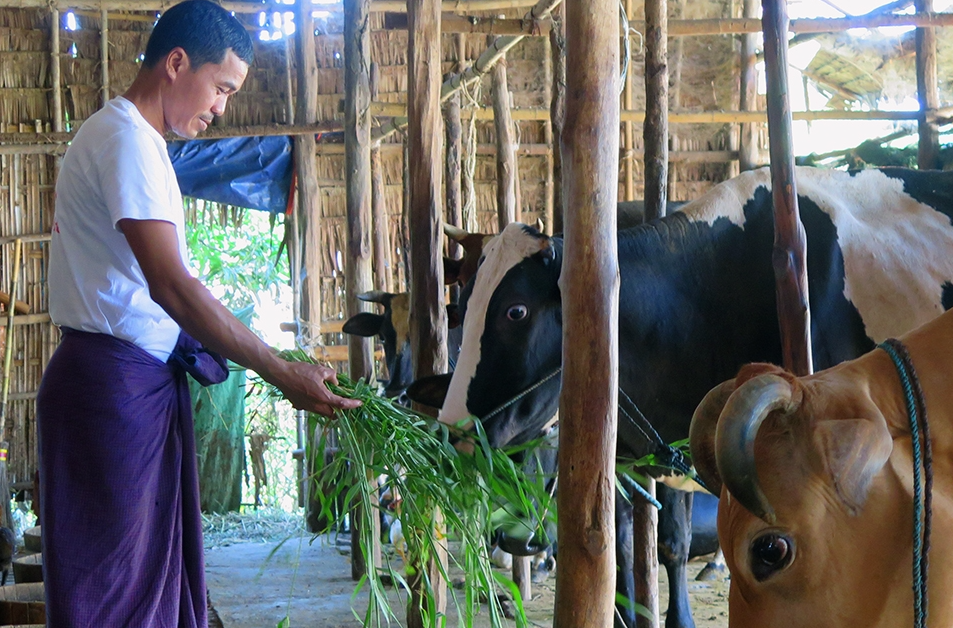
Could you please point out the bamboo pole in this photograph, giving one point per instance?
(655, 127)
(244, 7)
(428, 319)
(748, 142)
(507, 171)
(7, 364)
(790, 247)
(453, 162)
(289, 85)
(104, 53)
(928, 93)
(557, 112)
(306, 171)
(628, 128)
(585, 580)
(676, 117)
(549, 201)
(55, 76)
(383, 264)
(480, 67)
(358, 272)
(453, 23)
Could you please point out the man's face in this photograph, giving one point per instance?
(197, 96)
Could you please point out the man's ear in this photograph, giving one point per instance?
(176, 62)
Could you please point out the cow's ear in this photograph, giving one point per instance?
(430, 390)
(853, 451)
(453, 316)
(451, 270)
(364, 324)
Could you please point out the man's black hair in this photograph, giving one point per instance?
(203, 29)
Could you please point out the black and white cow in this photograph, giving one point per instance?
(697, 300)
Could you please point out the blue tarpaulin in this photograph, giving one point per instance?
(250, 172)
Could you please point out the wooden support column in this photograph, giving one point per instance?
(655, 129)
(748, 142)
(358, 265)
(790, 246)
(585, 580)
(557, 111)
(307, 173)
(55, 73)
(549, 199)
(104, 53)
(453, 161)
(428, 320)
(383, 264)
(507, 203)
(289, 84)
(628, 127)
(928, 93)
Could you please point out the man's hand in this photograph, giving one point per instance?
(304, 386)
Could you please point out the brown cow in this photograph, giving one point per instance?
(816, 513)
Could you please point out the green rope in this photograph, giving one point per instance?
(920, 536)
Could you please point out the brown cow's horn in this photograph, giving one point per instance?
(376, 296)
(738, 426)
(454, 233)
(701, 435)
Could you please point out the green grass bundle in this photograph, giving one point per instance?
(416, 455)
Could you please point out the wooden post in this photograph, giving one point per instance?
(104, 52)
(549, 202)
(585, 580)
(55, 74)
(453, 128)
(306, 171)
(383, 265)
(655, 128)
(428, 319)
(748, 143)
(357, 269)
(5, 510)
(557, 111)
(507, 204)
(289, 89)
(453, 161)
(928, 151)
(790, 246)
(628, 127)
(646, 567)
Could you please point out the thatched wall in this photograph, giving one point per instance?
(708, 82)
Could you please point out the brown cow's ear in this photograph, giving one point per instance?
(853, 451)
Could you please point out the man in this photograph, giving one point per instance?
(120, 507)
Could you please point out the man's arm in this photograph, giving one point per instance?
(192, 306)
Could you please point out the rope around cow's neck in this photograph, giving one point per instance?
(674, 457)
(922, 488)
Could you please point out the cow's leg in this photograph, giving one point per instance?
(716, 567)
(674, 541)
(624, 560)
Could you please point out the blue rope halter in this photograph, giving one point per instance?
(922, 505)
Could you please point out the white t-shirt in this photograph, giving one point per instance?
(117, 167)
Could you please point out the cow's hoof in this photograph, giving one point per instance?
(712, 571)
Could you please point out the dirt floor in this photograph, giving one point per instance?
(257, 584)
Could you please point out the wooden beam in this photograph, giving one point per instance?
(377, 6)
(55, 71)
(104, 53)
(309, 202)
(748, 144)
(738, 26)
(507, 172)
(453, 23)
(655, 127)
(557, 112)
(790, 245)
(365, 544)
(585, 580)
(928, 93)
(428, 318)
(383, 257)
(453, 162)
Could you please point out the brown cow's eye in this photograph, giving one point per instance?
(770, 553)
(517, 312)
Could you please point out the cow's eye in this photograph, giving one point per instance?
(770, 553)
(517, 312)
